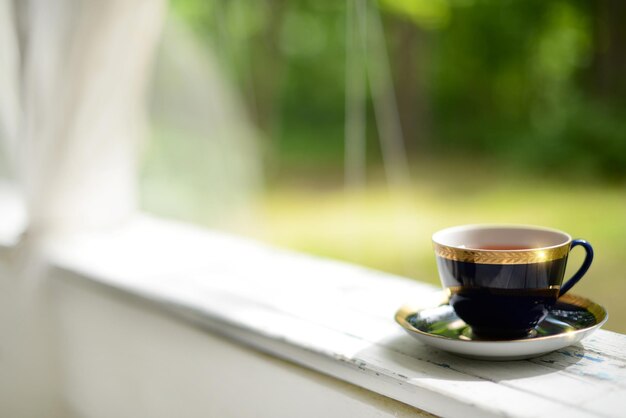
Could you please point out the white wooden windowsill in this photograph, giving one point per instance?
(337, 319)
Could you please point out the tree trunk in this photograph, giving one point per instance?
(608, 70)
(409, 56)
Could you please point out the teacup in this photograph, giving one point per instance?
(504, 279)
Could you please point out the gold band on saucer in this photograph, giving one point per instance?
(501, 257)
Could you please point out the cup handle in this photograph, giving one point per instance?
(583, 269)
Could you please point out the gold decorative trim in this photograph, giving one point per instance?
(501, 257)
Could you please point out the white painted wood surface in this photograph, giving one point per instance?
(121, 358)
(337, 319)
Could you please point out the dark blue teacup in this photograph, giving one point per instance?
(503, 280)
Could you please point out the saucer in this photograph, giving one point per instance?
(436, 324)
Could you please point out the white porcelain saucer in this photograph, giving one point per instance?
(436, 324)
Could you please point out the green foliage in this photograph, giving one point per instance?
(507, 82)
(429, 14)
(509, 79)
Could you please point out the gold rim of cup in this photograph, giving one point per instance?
(535, 255)
(540, 254)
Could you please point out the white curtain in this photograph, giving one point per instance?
(9, 83)
(73, 74)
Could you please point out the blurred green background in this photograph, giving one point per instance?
(355, 129)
